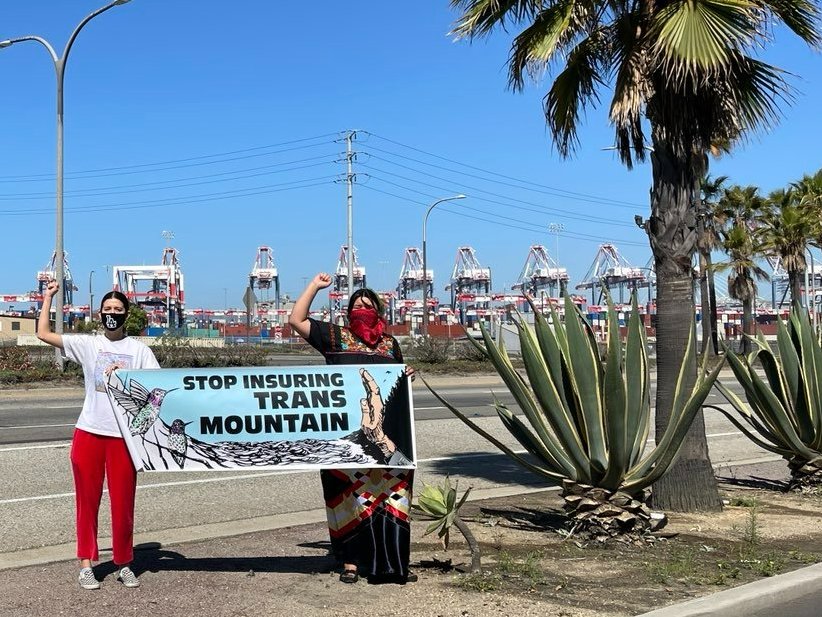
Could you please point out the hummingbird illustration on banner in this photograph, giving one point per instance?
(142, 405)
(178, 441)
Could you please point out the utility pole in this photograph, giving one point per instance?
(349, 180)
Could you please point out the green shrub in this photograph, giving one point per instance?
(173, 351)
(430, 349)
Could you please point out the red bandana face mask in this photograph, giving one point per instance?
(366, 324)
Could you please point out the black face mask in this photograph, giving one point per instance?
(113, 321)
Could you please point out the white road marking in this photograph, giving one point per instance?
(63, 444)
(15, 428)
(220, 478)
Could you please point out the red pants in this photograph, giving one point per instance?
(94, 457)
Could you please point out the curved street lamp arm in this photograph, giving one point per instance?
(439, 201)
(82, 24)
(39, 39)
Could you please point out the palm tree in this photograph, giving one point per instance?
(742, 251)
(786, 229)
(741, 209)
(680, 72)
(808, 192)
(710, 224)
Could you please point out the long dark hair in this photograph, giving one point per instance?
(366, 293)
(117, 295)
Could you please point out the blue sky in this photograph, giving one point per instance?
(222, 126)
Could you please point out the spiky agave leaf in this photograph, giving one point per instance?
(577, 406)
(783, 411)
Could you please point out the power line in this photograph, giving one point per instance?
(553, 193)
(487, 171)
(540, 209)
(206, 197)
(140, 168)
(532, 227)
(101, 191)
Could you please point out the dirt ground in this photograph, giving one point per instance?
(530, 567)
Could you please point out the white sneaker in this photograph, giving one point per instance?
(87, 580)
(127, 577)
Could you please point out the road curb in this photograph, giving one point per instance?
(795, 594)
(182, 535)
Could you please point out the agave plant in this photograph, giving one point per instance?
(783, 413)
(439, 502)
(585, 419)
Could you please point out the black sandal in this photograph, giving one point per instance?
(349, 576)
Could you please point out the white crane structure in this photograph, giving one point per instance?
(470, 285)
(539, 273)
(340, 292)
(67, 284)
(780, 287)
(263, 277)
(411, 280)
(158, 290)
(611, 271)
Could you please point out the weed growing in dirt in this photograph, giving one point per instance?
(509, 570)
(750, 551)
(479, 581)
(681, 565)
(726, 572)
(527, 567)
(744, 502)
(806, 558)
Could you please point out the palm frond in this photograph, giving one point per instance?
(801, 16)
(479, 17)
(574, 89)
(535, 46)
(698, 37)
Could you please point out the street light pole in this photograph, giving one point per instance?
(60, 70)
(556, 229)
(90, 298)
(425, 261)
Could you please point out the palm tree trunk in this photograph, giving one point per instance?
(747, 324)
(795, 283)
(690, 484)
(704, 256)
(712, 297)
(705, 300)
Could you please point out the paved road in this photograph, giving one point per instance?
(27, 420)
(40, 419)
(36, 498)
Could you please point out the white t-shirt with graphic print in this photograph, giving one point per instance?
(98, 356)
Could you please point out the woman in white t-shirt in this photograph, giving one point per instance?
(98, 450)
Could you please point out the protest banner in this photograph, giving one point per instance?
(306, 417)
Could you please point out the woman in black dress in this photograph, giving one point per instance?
(368, 510)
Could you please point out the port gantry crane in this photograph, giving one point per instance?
(470, 286)
(263, 278)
